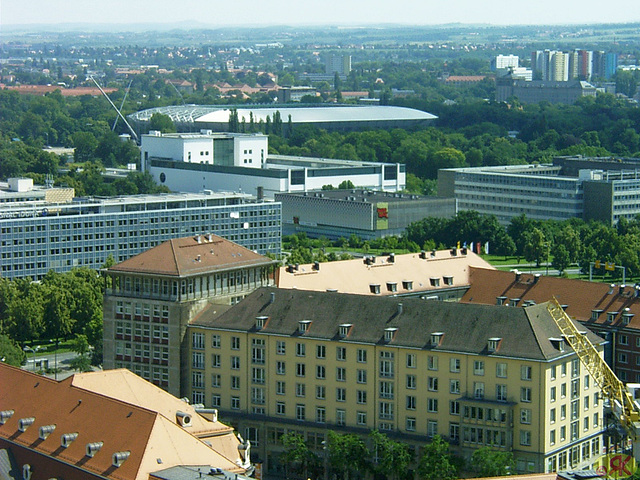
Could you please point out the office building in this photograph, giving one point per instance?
(150, 298)
(340, 64)
(552, 91)
(601, 189)
(436, 275)
(369, 214)
(106, 425)
(37, 237)
(504, 62)
(195, 162)
(478, 375)
(17, 190)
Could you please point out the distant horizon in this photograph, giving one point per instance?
(37, 14)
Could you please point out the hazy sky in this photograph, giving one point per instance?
(338, 12)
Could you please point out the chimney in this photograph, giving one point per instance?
(316, 266)
(536, 277)
(518, 275)
(399, 309)
(273, 297)
(260, 193)
(621, 289)
(423, 254)
(611, 288)
(392, 257)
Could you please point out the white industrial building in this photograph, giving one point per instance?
(193, 162)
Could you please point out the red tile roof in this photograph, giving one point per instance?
(192, 256)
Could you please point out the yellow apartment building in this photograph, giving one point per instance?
(478, 375)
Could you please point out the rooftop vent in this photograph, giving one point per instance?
(436, 338)
(25, 423)
(273, 297)
(119, 458)
(5, 415)
(454, 252)
(423, 254)
(400, 309)
(637, 288)
(93, 448)
(493, 344)
(45, 431)
(183, 419)
(611, 288)
(392, 258)
(344, 329)
(389, 333)
(514, 301)
(536, 277)
(621, 289)
(433, 253)
(303, 326)
(518, 275)
(500, 300)
(67, 439)
(261, 321)
(464, 251)
(316, 266)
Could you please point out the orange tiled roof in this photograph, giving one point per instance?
(192, 256)
(581, 297)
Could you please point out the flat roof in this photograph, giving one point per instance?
(351, 195)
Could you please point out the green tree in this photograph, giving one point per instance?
(561, 259)
(346, 184)
(296, 456)
(85, 145)
(492, 463)
(393, 457)
(162, 123)
(436, 461)
(348, 454)
(82, 362)
(536, 248)
(10, 352)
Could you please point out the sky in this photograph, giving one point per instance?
(318, 12)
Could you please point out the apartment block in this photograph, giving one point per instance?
(478, 375)
(150, 299)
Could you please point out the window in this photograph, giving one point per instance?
(585, 402)
(215, 380)
(525, 394)
(197, 359)
(552, 415)
(575, 388)
(622, 358)
(235, 403)
(563, 390)
(478, 367)
(575, 427)
(454, 386)
(433, 384)
(501, 393)
(197, 380)
(257, 351)
(411, 382)
(432, 362)
(478, 390)
(197, 340)
(362, 376)
(454, 365)
(525, 372)
(300, 369)
(235, 382)
(257, 375)
(362, 356)
(341, 354)
(215, 360)
(563, 412)
(385, 410)
(454, 431)
(280, 368)
(215, 341)
(300, 390)
(575, 367)
(361, 396)
(454, 407)
(575, 409)
(432, 428)
(525, 416)
(411, 360)
(321, 351)
(235, 343)
(386, 390)
(341, 394)
(257, 395)
(340, 416)
(623, 339)
(586, 382)
(300, 412)
(235, 363)
(596, 420)
(411, 424)
(553, 372)
(280, 408)
(215, 400)
(552, 437)
(321, 393)
(280, 348)
(341, 374)
(386, 364)
(563, 369)
(321, 415)
(300, 349)
(280, 388)
(320, 372)
(361, 418)
(501, 370)
(525, 437)
(411, 402)
(432, 405)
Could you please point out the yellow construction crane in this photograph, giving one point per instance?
(622, 402)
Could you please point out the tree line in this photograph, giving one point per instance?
(351, 456)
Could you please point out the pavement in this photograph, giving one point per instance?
(58, 364)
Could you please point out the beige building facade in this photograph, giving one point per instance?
(477, 375)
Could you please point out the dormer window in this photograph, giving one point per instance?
(436, 338)
(595, 314)
(303, 326)
(435, 281)
(611, 316)
(374, 288)
(407, 284)
(500, 300)
(493, 343)
(261, 322)
(392, 286)
(626, 318)
(344, 329)
(389, 333)
(558, 343)
(448, 280)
